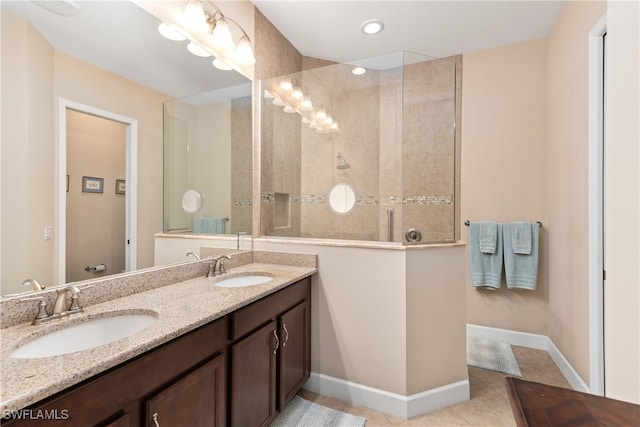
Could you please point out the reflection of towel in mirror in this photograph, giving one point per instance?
(521, 269)
(486, 269)
(199, 225)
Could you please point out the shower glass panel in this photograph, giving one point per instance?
(381, 142)
(208, 163)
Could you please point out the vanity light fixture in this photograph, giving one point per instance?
(372, 26)
(201, 17)
(197, 50)
(221, 65)
(170, 32)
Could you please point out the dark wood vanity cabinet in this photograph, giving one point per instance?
(118, 396)
(239, 370)
(270, 355)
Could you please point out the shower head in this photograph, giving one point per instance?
(343, 164)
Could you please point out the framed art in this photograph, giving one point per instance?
(121, 186)
(92, 185)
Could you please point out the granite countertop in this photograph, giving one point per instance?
(180, 308)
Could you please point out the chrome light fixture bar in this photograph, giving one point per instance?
(203, 16)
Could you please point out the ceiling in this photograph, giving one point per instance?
(122, 38)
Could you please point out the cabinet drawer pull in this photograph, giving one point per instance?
(286, 335)
(275, 334)
(155, 419)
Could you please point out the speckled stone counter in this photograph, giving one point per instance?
(179, 307)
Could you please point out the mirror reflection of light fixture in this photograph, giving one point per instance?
(358, 71)
(171, 33)
(196, 19)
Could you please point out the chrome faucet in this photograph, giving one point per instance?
(60, 308)
(216, 266)
(195, 255)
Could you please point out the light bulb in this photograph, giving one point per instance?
(221, 36)
(194, 17)
(305, 104)
(197, 50)
(297, 93)
(321, 114)
(171, 33)
(221, 65)
(286, 85)
(244, 54)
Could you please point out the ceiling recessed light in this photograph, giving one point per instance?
(358, 71)
(372, 26)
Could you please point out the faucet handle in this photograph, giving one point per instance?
(75, 294)
(42, 309)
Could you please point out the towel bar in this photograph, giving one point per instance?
(467, 222)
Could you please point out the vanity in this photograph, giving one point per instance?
(212, 353)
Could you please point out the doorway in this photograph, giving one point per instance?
(97, 203)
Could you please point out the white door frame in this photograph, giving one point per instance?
(131, 176)
(595, 208)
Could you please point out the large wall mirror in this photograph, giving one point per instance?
(108, 56)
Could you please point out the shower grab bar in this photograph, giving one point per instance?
(390, 224)
(467, 223)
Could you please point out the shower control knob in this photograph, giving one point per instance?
(413, 235)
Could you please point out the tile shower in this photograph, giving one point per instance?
(391, 134)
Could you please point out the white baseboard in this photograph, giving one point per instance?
(540, 342)
(384, 401)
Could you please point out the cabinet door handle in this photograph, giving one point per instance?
(275, 334)
(286, 335)
(155, 419)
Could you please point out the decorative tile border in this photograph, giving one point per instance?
(434, 200)
(242, 202)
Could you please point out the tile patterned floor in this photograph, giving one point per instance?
(489, 404)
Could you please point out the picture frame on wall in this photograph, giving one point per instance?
(92, 184)
(121, 186)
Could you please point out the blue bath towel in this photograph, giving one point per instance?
(521, 269)
(199, 225)
(521, 237)
(486, 269)
(488, 237)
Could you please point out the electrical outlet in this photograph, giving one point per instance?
(48, 232)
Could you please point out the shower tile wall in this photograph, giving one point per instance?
(429, 152)
(354, 102)
(241, 165)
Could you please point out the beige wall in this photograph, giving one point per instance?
(622, 246)
(387, 318)
(567, 77)
(504, 168)
(27, 152)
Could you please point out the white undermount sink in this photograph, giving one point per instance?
(243, 281)
(83, 336)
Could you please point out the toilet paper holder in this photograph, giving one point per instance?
(96, 269)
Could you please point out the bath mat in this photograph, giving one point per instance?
(496, 356)
(301, 412)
